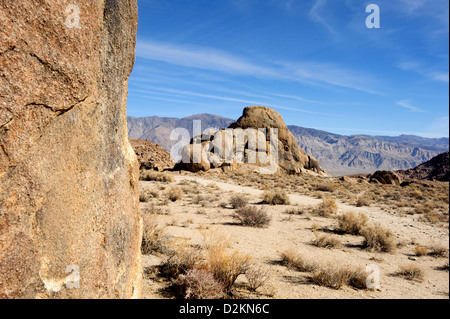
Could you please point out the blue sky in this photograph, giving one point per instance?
(313, 61)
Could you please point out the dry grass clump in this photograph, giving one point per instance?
(257, 276)
(180, 259)
(331, 277)
(377, 238)
(146, 194)
(153, 238)
(154, 176)
(238, 202)
(325, 187)
(362, 201)
(412, 272)
(326, 241)
(275, 198)
(420, 251)
(327, 208)
(252, 216)
(292, 259)
(227, 265)
(197, 284)
(438, 251)
(175, 193)
(352, 223)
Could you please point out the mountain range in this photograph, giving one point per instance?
(337, 154)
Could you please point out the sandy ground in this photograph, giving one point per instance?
(189, 222)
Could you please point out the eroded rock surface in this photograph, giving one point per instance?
(70, 225)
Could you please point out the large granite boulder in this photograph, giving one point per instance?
(70, 225)
(260, 138)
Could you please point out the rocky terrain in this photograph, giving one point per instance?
(436, 169)
(337, 154)
(253, 141)
(151, 156)
(70, 223)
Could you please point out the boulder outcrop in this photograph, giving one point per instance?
(260, 137)
(385, 178)
(70, 225)
(151, 156)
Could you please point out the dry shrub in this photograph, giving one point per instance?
(175, 193)
(420, 251)
(257, 276)
(362, 201)
(437, 251)
(336, 277)
(181, 258)
(325, 188)
(238, 202)
(377, 238)
(227, 265)
(147, 175)
(352, 223)
(327, 208)
(275, 198)
(252, 216)
(153, 238)
(197, 284)
(330, 277)
(412, 272)
(292, 259)
(146, 194)
(326, 241)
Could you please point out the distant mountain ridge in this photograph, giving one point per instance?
(337, 154)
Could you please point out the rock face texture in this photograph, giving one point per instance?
(246, 142)
(291, 157)
(151, 156)
(70, 225)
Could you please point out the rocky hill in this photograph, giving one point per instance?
(435, 169)
(343, 155)
(251, 141)
(151, 156)
(337, 154)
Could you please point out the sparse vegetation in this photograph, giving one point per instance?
(257, 276)
(237, 201)
(327, 208)
(290, 258)
(227, 265)
(252, 216)
(197, 284)
(377, 238)
(412, 272)
(275, 198)
(175, 193)
(154, 176)
(352, 223)
(326, 241)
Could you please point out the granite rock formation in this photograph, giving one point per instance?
(70, 225)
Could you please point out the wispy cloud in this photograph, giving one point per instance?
(199, 57)
(415, 66)
(209, 59)
(407, 105)
(315, 15)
